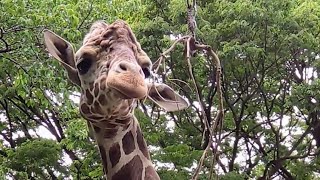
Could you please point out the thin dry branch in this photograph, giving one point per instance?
(163, 55)
(218, 121)
(206, 123)
(216, 127)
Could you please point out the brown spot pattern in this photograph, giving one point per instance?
(103, 86)
(102, 100)
(96, 129)
(125, 127)
(103, 155)
(132, 170)
(150, 174)
(91, 86)
(110, 133)
(108, 124)
(85, 109)
(128, 143)
(97, 118)
(96, 89)
(102, 81)
(97, 108)
(114, 154)
(142, 144)
(89, 97)
(123, 121)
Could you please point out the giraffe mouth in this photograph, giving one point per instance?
(122, 96)
(129, 85)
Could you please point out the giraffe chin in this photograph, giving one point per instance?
(128, 85)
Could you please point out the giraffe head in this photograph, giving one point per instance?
(111, 68)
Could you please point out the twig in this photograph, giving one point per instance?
(7, 48)
(163, 55)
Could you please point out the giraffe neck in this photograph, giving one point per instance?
(124, 152)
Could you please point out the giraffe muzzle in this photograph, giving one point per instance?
(128, 79)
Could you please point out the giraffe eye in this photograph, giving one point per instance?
(146, 72)
(84, 65)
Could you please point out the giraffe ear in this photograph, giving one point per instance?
(166, 97)
(62, 50)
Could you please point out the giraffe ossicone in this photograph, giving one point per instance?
(110, 67)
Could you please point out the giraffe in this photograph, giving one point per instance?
(111, 70)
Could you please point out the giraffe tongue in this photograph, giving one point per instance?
(128, 84)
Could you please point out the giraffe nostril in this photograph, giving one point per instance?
(127, 67)
(146, 72)
(123, 67)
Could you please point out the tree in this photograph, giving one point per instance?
(269, 52)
